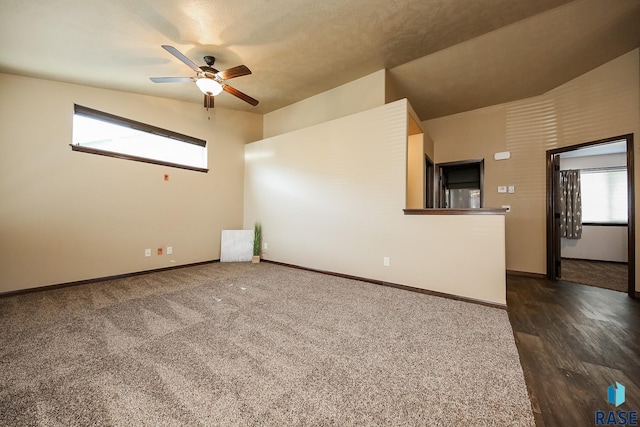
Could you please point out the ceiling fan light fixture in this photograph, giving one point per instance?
(209, 86)
(209, 80)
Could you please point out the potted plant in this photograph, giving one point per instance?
(257, 242)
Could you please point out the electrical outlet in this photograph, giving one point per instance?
(265, 246)
(502, 189)
(507, 207)
(385, 261)
(169, 250)
(512, 189)
(147, 252)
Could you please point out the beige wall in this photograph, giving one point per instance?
(353, 97)
(429, 146)
(418, 144)
(600, 104)
(68, 216)
(415, 172)
(330, 197)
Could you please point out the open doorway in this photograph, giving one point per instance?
(592, 230)
(460, 184)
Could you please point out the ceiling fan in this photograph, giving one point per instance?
(209, 80)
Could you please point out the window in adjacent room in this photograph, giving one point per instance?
(102, 133)
(604, 195)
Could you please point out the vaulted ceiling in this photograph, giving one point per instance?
(446, 56)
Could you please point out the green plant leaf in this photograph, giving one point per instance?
(257, 238)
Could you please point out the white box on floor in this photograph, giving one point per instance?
(236, 245)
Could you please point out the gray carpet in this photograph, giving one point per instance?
(603, 274)
(244, 344)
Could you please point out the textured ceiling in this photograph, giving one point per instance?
(446, 56)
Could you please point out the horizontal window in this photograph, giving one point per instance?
(105, 134)
(604, 196)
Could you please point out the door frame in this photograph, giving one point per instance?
(553, 238)
(429, 182)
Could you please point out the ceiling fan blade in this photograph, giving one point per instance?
(208, 69)
(175, 52)
(239, 71)
(171, 79)
(235, 92)
(208, 101)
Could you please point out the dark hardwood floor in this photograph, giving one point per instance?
(574, 341)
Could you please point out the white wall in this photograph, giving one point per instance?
(588, 162)
(600, 243)
(67, 216)
(597, 243)
(353, 97)
(331, 196)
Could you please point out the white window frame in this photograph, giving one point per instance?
(163, 136)
(607, 205)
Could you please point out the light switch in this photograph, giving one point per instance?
(502, 189)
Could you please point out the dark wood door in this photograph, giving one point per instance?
(557, 218)
(554, 266)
